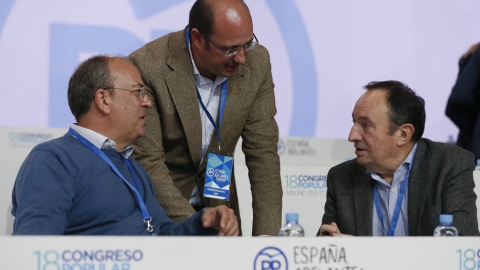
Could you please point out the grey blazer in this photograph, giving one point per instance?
(171, 150)
(441, 182)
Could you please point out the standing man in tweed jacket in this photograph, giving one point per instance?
(400, 183)
(213, 74)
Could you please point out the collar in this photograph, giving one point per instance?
(403, 167)
(100, 141)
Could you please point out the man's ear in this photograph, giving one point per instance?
(405, 133)
(196, 37)
(103, 100)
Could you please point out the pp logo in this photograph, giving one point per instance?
(210, 172)
(270, 258)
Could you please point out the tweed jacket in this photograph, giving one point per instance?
(441, 182)
(171, 151)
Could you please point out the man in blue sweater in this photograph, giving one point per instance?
(86, 183)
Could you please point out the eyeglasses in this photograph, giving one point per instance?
(141, 92)
(233, 51)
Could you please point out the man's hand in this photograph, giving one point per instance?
(330, 230)
(221, 218)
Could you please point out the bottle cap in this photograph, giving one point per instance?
(292, 217)
(446, 218)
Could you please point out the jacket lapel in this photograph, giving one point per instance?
(417, 184)
(232, 106)
(181, 86)
(363, 200)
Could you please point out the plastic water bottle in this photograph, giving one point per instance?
(446, 227)
(291, 228)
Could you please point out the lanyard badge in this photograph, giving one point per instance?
(219, 168)
(218, 177)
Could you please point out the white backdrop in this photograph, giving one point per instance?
(322, 53)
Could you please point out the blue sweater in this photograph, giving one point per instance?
(65, 188)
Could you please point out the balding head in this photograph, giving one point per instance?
(205, 15)
(227, 25)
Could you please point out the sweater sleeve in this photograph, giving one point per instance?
(42, 195)
(191, 226)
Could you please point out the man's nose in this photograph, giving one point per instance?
(147, 102)
(354, 135)
(240, 57)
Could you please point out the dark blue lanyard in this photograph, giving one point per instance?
(223, 97)
(146, 217)
(398, 205)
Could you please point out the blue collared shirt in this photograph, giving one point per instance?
(388, 195)
(100, 141)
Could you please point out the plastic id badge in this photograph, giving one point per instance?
(218, 177)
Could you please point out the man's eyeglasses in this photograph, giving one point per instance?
(141, 92)
(233, 51)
